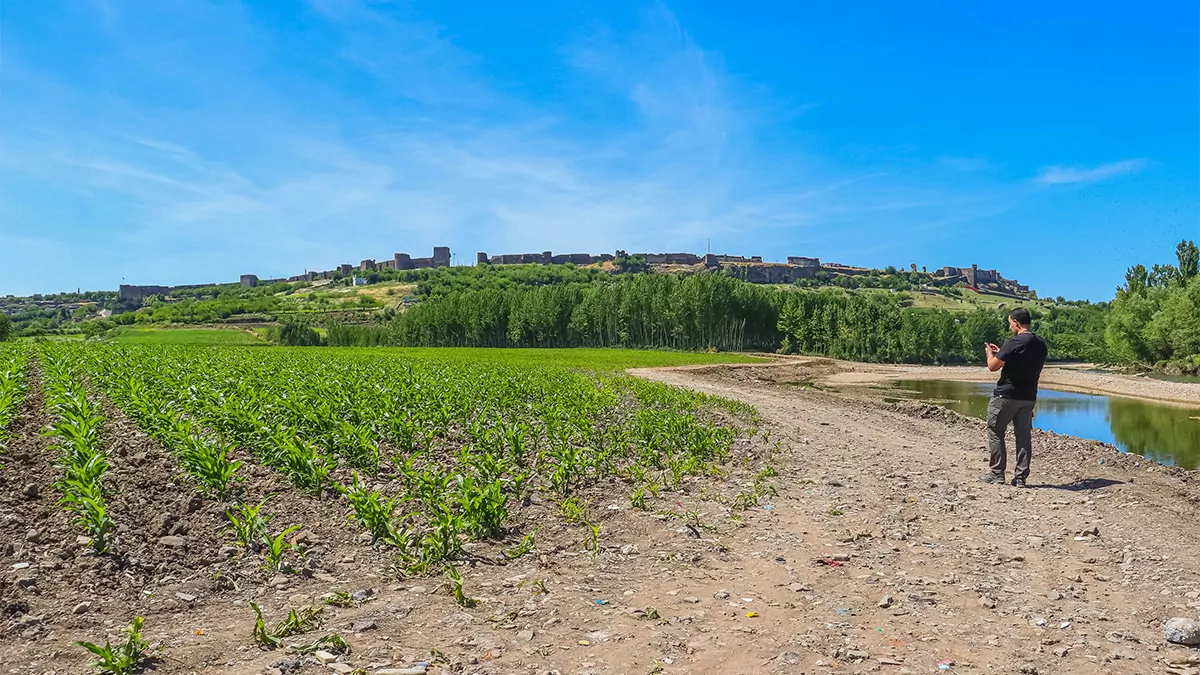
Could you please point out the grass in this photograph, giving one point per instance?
(592, 359)
(183, 336)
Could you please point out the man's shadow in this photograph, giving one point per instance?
(1083, 484)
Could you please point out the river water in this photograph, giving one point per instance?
(1164, 433)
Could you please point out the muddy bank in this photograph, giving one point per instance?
(833, 373)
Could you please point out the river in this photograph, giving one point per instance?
(1164, 433)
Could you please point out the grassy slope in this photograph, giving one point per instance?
(592, 359)
(183, 336)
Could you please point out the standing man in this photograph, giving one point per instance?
(1020, 363)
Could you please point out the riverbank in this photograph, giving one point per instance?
(1076, 377)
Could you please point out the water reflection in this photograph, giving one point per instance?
(1164, 433)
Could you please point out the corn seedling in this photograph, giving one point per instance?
(455, 585)
(528, 543)
(294, 623)
(591, 538)
(538, 585)
(374, 512)
(573, 510)
(248, 525)
(127, 657)
(637, 498)
(275, 550)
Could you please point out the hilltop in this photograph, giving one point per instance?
(374, 290)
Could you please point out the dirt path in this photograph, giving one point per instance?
(991, 578)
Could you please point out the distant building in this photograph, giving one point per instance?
(803, 262)
(138, 293)
(249, 280)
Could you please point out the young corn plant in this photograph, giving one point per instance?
(123, 659)
(527, 544)
(573, 509)
(591, 538)
(374, 512)
(275, 550)
(248, 525)
(455, 584)
(484, 507)
(294, 623)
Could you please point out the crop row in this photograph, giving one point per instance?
(75, 430)
(461, 441)
(13, 363)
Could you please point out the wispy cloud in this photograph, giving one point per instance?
(1060, 175)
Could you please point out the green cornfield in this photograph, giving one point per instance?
(427, 450)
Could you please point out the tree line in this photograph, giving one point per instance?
(711, 311)
(1155, 317)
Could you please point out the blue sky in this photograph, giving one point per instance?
(183, 141)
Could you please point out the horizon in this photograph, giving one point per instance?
(193, 144)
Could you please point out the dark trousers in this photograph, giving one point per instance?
(1001, 413)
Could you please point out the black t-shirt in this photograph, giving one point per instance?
(1023, 357)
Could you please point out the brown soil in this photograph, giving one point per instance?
(990, 579)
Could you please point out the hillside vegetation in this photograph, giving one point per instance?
(1154, 321)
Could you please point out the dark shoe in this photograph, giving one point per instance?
(1018, 483)
(992, 478)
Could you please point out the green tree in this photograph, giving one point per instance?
(1188, 255)
(5, 327)
(295, 334)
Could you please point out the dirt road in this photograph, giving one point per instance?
(1075, 575)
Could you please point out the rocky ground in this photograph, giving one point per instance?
(880, 553)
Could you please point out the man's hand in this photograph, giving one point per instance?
(989, 351)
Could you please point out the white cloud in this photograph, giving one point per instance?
(1061, 175)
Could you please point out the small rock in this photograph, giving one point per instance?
(305, 537)
(325, 657)
(83, 540)
(279, 581)
(1182, 632)
(691, 600)
(229, 550)
(363, 626)
(186, 597)
(173, 542)
(31, 491)
(341, 667)
(721, 595)
(1061, 652)
(525, 635)
(418, 590)
(363, 594)
(987, 603)
(887, 601)
(33, 537)
(790, 658)
(82, 608)
(799, 588)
